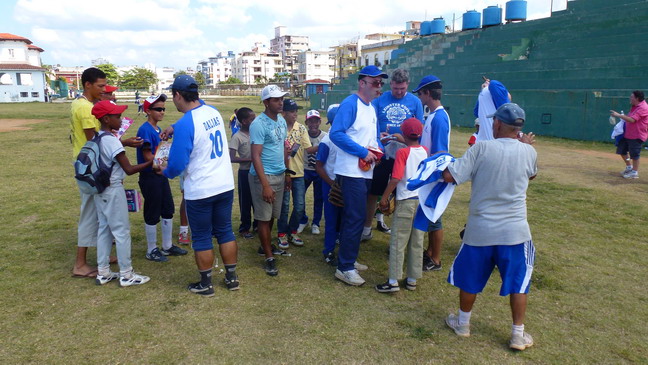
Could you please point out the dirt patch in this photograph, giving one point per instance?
(8, 125)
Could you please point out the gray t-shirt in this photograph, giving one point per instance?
(500, 170)
(241, 144)
(110, 148)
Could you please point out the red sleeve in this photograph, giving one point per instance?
(399, 164)
(472, 140)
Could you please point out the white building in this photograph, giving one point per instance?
(315, 65)
(288, 46)
(22, 77)
(380, 53)
(216, 69)
(258, 64)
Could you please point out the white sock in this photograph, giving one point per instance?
(380, 217)
(411, 281)
(184, 229)
(366, 231)
(151, 237)
(393, 281)
(167, 231)
(517, 330)
(464, 317)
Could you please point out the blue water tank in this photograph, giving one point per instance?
(471, 20)
(426, 28)
(437, 26)
(492, 16)
(516, 10)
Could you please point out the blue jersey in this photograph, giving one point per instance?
(392, 112)
(151, 139)
(271, 134)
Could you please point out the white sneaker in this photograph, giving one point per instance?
(300, 227)
(461, 330)
(360, 267)
(366, 237)
(627, 170)
(632, 175)
(315, 229)
(521, 342)
(350, 277)
(105, 279)
(133, 278)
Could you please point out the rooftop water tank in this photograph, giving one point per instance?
(437, 26)
(471, 20)
(426, 28)
(492, 16)
(516, 10)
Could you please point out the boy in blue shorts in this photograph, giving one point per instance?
(112, 209)
(158, 200)
(497, 232)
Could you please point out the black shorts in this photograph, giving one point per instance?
(381, 175)
(633, 146)
(158, 200)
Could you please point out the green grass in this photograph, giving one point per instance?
(587, 303)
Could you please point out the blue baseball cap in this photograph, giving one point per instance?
(372, 71)
(510, 113)
(331, 112)
(184, 83)
(429, 80)
(290, 105)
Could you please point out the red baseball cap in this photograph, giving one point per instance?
(110, 88)
(106, 107)
(412, 127)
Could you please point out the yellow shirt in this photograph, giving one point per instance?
(298, 134)
(81, 119)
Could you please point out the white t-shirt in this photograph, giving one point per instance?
(500, 170)
(110, 147)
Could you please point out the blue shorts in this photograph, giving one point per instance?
(211, 217)
(436, 226)
(473, 266)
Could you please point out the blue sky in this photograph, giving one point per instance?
(179, 33)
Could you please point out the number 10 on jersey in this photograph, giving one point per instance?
(217, 144)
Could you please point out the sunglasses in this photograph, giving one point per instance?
(158, 109)
(377, 83)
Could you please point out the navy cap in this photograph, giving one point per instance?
(184, 83)
(290, 105)
(429, 80)
(331, 112)
(510, 113)
(372, 71)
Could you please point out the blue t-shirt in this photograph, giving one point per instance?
(271, 134)
(392, 112)
(151, 139)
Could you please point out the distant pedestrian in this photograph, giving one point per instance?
(636, 133)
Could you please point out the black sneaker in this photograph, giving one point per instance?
(386, 287)
(382, 227)
(232, 281)
(271, 267)
(409, 285)
(275, 251)
(429, 264)
(329, 258)
(156, 255)
(173, 251)
(198, 288)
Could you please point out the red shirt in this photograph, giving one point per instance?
(638, 129)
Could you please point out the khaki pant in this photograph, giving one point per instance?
(404, 236)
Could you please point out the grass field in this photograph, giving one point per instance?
(588, 300)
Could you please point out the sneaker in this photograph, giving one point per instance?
(282, 241)
(105, 279)
(198, 288)
(350, 277)
(429, 264)
(366, 237)
(301, 227)
(183, 238)
(174, 251)
(633, 174)
(382, 227)
(386, 287)
(275, 251)
(271, 267)
(247, 234)
(329, 258)
(409, 285)
(521, 342)
(461, 330)
(314, 229)
(133, 278)
(627, 170)
(296, 240)
(156, 256)
(360, 267)
(232, 282)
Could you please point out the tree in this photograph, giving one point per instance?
(179, 73)
(231, 80)
(138, 78)
(112, 77)
(200, 79)
(261, 80)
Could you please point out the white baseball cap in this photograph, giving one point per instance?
(312, 113)
(272, 91)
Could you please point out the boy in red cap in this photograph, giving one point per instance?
(112, 209)
(403, 235)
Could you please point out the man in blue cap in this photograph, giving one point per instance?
(497, 232)
(355, 133)
(200, 150)
(436, 138)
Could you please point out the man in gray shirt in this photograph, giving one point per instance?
(497, 232)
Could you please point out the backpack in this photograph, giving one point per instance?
(91, 174)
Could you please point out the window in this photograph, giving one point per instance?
(5, 79)
(34, 94)
(24, 79)
(11, 53)
(23, 94)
